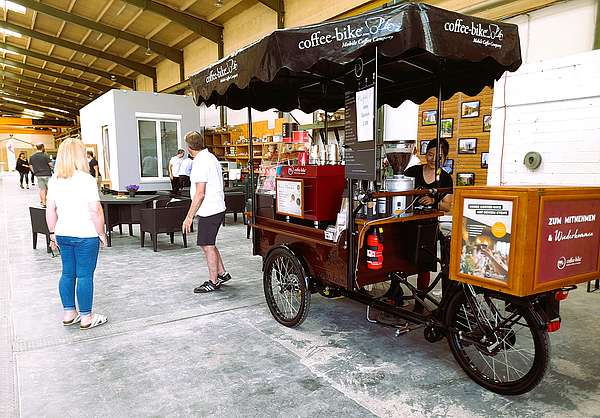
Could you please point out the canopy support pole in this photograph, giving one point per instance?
(251, 169)
(350, 236)
(438, 153)
(376, 144)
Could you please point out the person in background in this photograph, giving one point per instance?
(76, 222)
(93, 167)
(23, 169)
(426, 178)
(185, 169)
(208, 203)
(41, 166)
(174, 165)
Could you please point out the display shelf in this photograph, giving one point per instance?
(320, 125)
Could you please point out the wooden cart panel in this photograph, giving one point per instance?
(327, 260)
(525, 240)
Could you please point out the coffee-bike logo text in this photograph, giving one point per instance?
(484, 34)
(224, 72)
(372, 29)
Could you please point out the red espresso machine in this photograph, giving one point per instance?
(318, 192)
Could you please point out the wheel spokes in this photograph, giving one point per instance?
(285, 287)
(506, 358)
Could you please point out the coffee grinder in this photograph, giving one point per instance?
(398, 154)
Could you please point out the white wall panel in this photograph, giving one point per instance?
(552, 107)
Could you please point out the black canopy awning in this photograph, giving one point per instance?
(418, 45)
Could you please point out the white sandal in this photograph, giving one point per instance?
(97, 320)
(72, 321)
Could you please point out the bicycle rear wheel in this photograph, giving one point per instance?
(497, 343)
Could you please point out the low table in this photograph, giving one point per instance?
(120, 210)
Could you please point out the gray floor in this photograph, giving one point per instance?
(169, 352)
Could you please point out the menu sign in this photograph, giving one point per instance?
(290, 197)
(570, 241)
(359, 153)
(487, 226)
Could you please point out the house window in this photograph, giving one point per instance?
(159, 141)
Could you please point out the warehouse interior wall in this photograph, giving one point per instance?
(557, 31)
(550, 105)
(561, 124)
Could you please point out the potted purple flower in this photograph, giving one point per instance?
(132, 188)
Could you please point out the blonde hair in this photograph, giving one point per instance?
(70, 158)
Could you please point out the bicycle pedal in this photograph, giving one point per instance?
(402, 330)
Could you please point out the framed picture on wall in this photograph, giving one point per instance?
(465, 179)
(487, 123)
(429, 117)
(447, 127)
(470, 109)
(448, 166)
(467, 146)
(423, 148)
(484, 159)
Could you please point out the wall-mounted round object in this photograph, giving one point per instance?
(532, 160)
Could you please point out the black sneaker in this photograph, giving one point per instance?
(224, 278)
(207, 287)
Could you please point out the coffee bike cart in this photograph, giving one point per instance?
(321, 232)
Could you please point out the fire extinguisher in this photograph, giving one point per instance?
(375, 249)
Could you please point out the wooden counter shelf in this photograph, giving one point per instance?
(397, 219)
(415, 192)
(300, 232)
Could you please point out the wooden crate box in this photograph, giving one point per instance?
(525, 240)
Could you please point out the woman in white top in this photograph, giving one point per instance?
(74, 215)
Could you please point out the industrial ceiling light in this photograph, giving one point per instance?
(33, 112)
(219, 3)
(15, 100)
(58, 110)
(148, 50)
(9, 32)
(9, 5)
(113, 77)
(9, 52)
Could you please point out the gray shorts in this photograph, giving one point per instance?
(42, 182)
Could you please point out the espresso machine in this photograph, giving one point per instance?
(398, 154)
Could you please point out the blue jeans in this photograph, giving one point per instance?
(79, 256)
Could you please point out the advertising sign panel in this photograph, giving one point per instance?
(570, 239)
(486, 236)
(290, 197)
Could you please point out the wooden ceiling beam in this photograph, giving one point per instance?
(127, 82)
(224, 9)
(37, 102)
(209, 30)
(100, 87)
(18, 77)
(39, 94)
(24, 92)
(278, 7)
(23, 84)
(137, 66)
(67, 116)
(163, 50)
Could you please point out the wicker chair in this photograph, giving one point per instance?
(163, 220)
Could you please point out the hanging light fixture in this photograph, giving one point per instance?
(219, 3)
(148, 50)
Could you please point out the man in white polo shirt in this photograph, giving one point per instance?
(174, 164)
(208, 203)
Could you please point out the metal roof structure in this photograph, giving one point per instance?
(65, 53)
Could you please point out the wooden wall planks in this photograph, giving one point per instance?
(463, 127)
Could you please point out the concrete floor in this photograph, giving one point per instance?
(169, 352)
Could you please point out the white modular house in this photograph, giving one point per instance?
(134, 134)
